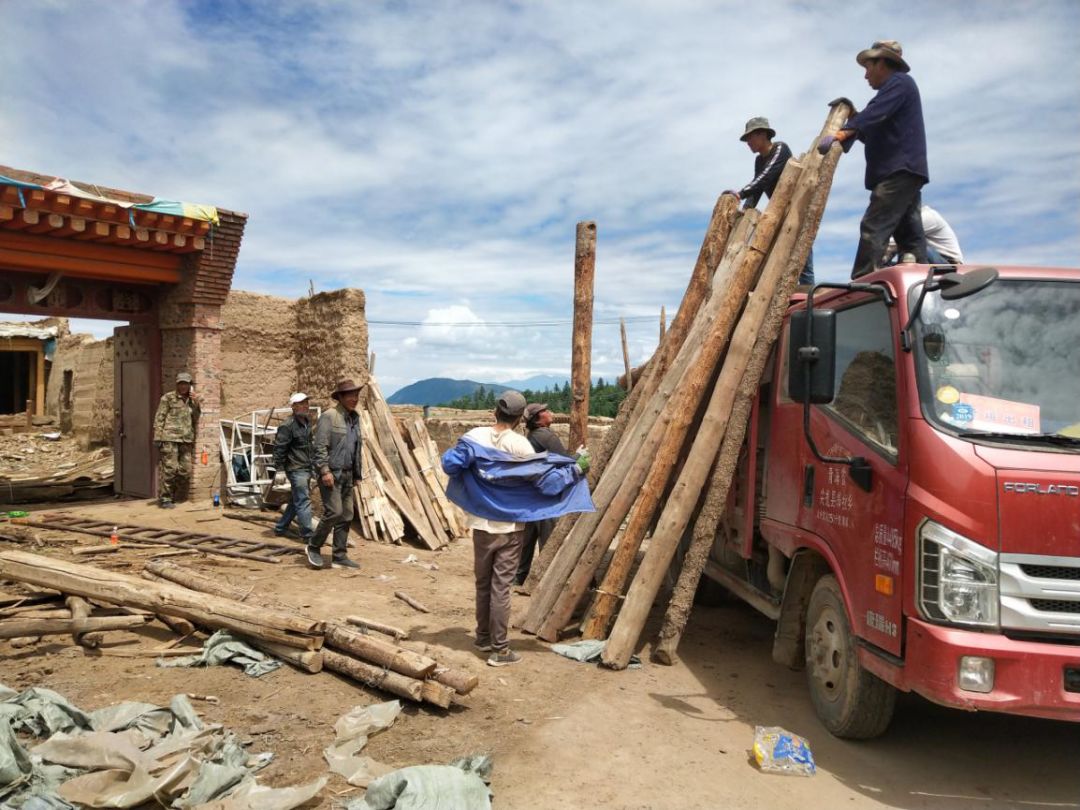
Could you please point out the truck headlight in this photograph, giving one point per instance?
(958, 578)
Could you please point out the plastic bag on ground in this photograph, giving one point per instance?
(352, 731)
(223, 648)
(777, 750)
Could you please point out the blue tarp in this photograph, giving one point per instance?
(495, 485)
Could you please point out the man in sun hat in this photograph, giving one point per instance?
(337, 462)
(891, 127)
(174, 436)
(543, 439)
(769, 164)
(294, 461)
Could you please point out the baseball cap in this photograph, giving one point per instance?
(535, 409)
(297, 397)
(511, 403)
(183, 376)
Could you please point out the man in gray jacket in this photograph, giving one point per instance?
(294, 460)
(337, 460)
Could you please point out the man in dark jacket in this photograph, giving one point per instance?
(337, 460)
(891, 126)
(543, 439)
(294, 460)
(768, 166)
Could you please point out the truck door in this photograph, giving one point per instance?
(863, 529)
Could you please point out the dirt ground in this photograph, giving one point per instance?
(562, 734)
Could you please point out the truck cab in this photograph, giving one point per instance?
(908, 502)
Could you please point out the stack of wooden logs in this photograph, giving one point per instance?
(174, 594)
(403, 490)
(669, 459)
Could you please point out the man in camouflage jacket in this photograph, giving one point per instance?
(174, 437)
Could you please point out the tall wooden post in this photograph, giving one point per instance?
(626, 357)
(663, 323)
(581, 361)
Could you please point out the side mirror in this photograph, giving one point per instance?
(812, 357)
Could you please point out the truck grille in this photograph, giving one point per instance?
(1040, 595)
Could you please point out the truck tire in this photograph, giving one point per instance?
(851, 702)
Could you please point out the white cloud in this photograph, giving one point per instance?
(433, 154)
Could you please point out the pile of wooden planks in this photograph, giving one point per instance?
(679, 433)
(403, 491)
(364, 650)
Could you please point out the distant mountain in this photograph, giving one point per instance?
(437, 390)
(538, 382)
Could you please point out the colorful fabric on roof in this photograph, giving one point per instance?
(58, 185)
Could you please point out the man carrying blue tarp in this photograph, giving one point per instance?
(502, 484)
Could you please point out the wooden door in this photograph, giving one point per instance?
(134, 399)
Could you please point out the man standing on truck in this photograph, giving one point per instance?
(174, 436)
(892, 129)
(768, 166)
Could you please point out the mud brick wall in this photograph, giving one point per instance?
(332, 342)
(258, 352)
(88, 415)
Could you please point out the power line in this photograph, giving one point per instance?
(596, 322)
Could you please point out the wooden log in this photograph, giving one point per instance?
(376, 651)
(106, 548)
(122, 589)
(627, 371)
(437, 694)
(80, 612)
(459, 680)
(14, 628)
(393, 682)
(704, 533)
(581, 340)
(371, 624)
(721, 238)
(663, 323)
(24, 641)
(711, 430)
(682, 391)
(307, 660)
(408, 600)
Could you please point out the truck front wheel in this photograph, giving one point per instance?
(850, 701)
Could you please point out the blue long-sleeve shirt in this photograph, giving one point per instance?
(494, 485)
(891, 126)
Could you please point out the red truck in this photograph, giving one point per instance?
(910, 515)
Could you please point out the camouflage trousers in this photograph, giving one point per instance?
(174, 468)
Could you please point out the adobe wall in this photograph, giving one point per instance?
(89, 415)
(332, 342)
(258, 352)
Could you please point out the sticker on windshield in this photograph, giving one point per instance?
(948, 394)
(962, 413)
(993, 414)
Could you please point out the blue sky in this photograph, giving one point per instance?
(437, 155)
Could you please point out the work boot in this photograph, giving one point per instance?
(314, 558)
(166, 503)
(503, 658)
(344, 562)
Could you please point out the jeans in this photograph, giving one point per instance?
(299, 505)
(893, 211)
(495, 561)
(337, 514)
(806, 277)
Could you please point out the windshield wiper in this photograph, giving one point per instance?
(1049, 438)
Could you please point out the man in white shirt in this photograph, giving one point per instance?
(942, 246)
(497, 544)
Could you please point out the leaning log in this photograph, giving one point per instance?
(687, 490)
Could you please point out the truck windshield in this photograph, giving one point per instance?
(1003, 363)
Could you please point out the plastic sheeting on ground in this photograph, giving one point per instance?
(588, 651)
(127, 755)
(351, 733)
(461, 785)
(223, 648)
